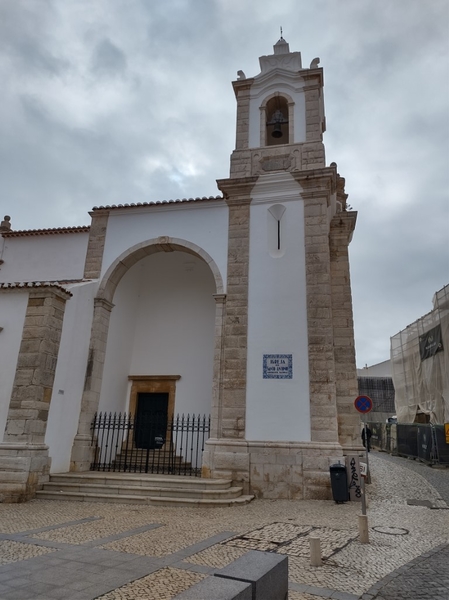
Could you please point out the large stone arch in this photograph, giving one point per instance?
(131, 256)
(103, 304)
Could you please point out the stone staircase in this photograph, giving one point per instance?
(142, 488)
(155, 459)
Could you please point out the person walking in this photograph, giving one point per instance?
(367, 442)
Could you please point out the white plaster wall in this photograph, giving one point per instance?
(70, 374)
(163, 324)
(204, 224)
(122, 326)
(50, 257)
(260, 90)
(277, 409)
(13, 307)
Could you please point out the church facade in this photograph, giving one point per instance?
(238, 306)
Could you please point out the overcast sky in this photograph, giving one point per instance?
(118, 101)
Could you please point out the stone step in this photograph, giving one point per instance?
(140, 480)
(154, 500)
(117, 490)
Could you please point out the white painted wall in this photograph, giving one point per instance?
(70, 374)
(50, 257)
(204, 224)
(163, 324)
(122, 327)
(260, 90)
(277, 410)
(13, 307)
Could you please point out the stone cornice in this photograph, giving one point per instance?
(242, 84)
(316, 181)
(103, 303)
(343, 224)
(314, 77)
(237, 191)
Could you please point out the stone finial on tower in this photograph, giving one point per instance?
(281, 58)
(281, 47)
(5, 225)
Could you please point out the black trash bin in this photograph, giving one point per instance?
(339, 483)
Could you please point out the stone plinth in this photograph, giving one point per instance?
(24, 468)
(289, 470)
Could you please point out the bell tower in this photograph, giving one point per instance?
(285, 375)
(280, 116)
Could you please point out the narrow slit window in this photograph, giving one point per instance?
(276, 242)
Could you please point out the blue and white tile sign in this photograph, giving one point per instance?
(277, 366)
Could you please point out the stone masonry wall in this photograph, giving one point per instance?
(24, 459)
(82, 448)
(36, 366)
(323, 408)
(342, 226)
(95, 247)
(237, 196)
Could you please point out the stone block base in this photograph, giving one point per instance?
(289, 470)
(24, 468)
(83, 453)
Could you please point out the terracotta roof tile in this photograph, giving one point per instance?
(56, 230)
(20, 285)
(140, 204)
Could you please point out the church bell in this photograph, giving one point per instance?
(277, 120)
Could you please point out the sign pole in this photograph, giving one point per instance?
(363, 404)
(368, 475)
(363, 496)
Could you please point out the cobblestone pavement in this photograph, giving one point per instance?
(438, 477)
(81, 551)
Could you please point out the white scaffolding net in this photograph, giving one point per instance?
(420, 365)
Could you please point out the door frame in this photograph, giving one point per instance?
(153, 384)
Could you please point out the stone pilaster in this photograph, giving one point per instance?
(342, 227)
(226, 451)
(82, 446)
(95, 247)
(313, 152)
(24, 460)
(238, 199)
(323, 407)
(36, 366)
(217, 390)
(242, 92)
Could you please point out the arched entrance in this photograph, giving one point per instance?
(157, 344)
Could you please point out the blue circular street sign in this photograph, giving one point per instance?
(363, 404)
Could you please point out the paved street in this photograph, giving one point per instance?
(81, 551)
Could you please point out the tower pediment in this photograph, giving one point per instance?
(282, 58)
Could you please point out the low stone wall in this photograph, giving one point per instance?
(288, 470)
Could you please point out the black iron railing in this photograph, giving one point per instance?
(149, 443)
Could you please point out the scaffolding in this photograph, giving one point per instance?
(420, 365)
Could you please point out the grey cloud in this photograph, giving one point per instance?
(153, 80)
(108, 59)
